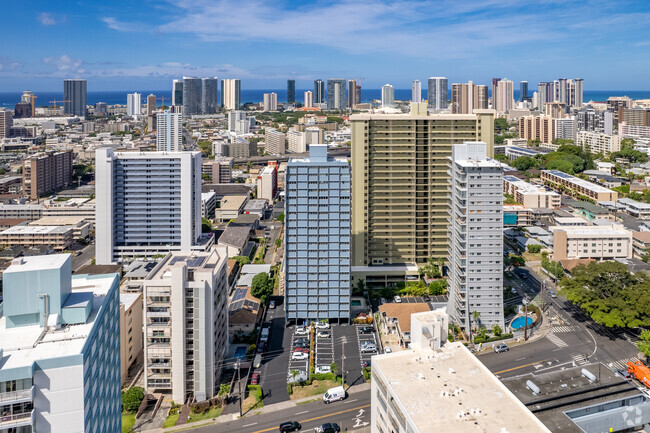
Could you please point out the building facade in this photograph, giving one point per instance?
(591, 242)
(387, 96)
(319, 91)
(529, 195)
(74, 96)
(291, 91)
(131, 309)
(309, 99)
(186, 324)
(336, 94)
(276, 141)
(192, 91)
(400, 180)
(541, 128)
(317, 237)
(267, 183)
(169, 131)
(270, 102)
(148, 203)
(416, 91)
(476, 237)
(577, 187)
(6, 122)
(595, 142)
(231, 94)
(133, 104)
(60, 348)
(177, 93)
(209, 95)
(437, 93)
(46, 172)
(352, 94)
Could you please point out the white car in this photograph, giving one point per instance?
(322, 369)
(388, 350)
(301, 331)
(299, 356)
(397, 299)
(324, 334)
(322, 325)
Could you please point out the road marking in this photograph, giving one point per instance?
(350, 401)
(521, 366)
(520, 359)
(318, 417)
(248, 425)
(300, 413)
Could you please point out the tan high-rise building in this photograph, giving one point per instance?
(481, 97)
(540, 128)
(400, 165)
(466, 97)
(505, 96)
(6, 121)
(151, 104)
(46, 172)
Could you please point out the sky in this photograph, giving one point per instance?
(143, 45)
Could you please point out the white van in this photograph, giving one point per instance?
(334, 394)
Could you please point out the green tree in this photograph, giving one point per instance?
(224, 389)
(262, 286)
(496, 330)
(438, 287)
(516, 260)
(644, 343)
(280, 217)
(334, 367)
(534, 249)
(131, 398)
(206, 225)
(242, 260)
(524, 163)
(278, 242)
(501, 124)
(509, 199)
(501, 157)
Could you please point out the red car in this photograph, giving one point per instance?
(255, 379)
(300, 349)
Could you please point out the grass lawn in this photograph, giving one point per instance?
(317, 387)
(127, 422)
(251, 403)
(171, 421)
(212, 413)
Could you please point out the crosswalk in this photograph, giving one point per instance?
(558, 329)
(622, 363)
(556, 340)
(579, 359)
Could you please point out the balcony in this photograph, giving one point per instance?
(16, 420)
(12, 397)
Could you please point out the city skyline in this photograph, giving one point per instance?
(384, 42)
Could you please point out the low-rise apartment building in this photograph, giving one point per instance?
(634, 208)
(58, 237)
(230, 207)
(517, 216)
(80, 227)
(596, 142)
(577, 187)
(640, 244)
(30, 212)
(74, 207)
(529, 195)
(601, 242)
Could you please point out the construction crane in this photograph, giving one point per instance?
(33, 105)
(162, 98)
(56, 109)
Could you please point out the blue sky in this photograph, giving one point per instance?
(130, 44)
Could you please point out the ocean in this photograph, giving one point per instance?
(9, 99)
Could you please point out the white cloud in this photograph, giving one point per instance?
(65, 64)
(48, 19)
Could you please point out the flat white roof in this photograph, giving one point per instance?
(420, 380)
(36, 230)
(21, 345)
(611, 230)
(128, 299)
(35, 263)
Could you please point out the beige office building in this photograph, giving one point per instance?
(597, 142)
(131, 341)
(591, 242)
(540, 128)
(400, 174)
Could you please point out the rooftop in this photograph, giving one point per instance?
(233, 202)
(196, 261)
(128, 299)
(579, 182)
(612, 229)
(58, 221)
(450, 390)
(22, 345)
(36, 230)
(402, 312)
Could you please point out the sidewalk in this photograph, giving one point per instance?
(268, 409)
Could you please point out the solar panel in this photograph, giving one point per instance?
(249, 304)
(239, 294)
(195, 262)
(236, 305)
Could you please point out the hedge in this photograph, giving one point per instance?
(478, 339)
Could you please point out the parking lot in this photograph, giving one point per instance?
(300, 344)
(367, 342)
(324, 348)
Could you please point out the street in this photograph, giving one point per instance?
(86, 255)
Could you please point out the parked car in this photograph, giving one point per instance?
(322, 369)
(272, 304)
(255, 379)
(366, 330)
(368, 347)
(324, 334)
(299, 356)
(301, 349)
(367, 363)
(503, 347)
(624, 374)
(388, 350)
(290, 426)
(301, 331)
(328, 428)
(301, 376)
(260, 347)
(322, 325)
(397, 299)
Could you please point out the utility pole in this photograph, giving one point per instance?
(343, 341)
(525, 319)
(239, 384)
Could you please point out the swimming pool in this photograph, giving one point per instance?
(518, 323)
(240, 353)
(355, 303)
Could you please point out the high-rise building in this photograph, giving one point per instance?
(336, 94)
(169, 131)
(74, 92)
(209, 95)
(47, 172)
(151, 104)
(495, 81)
(358, 93)
(101, 109)
(416, 91)
(633, 116)
(574, 93)
(505, 96)
(387, 96)
(291, 91)
(352, 93)
(438, 93)
(476, 237)
(267, 183)
(566, 128)
(6, 122)
(177, 93)
(560, 90)
(270, 102)
(240, 123)
(148, 203)
(466, 97)
(60, 340)
(222, 169)
(231, 94)
(186, 324)
(541, 128)
(523, 90)
(481, 98)
(400, 209)
(319, 91)
(296, 141)
(317, 237)
(192, 91)
(555, 109)
(309, 99)
(133, 104)
(276, 141)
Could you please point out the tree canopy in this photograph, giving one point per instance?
(627, 151)
(610, 294)
(132, 398)
(262, 286)
(524, 163)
